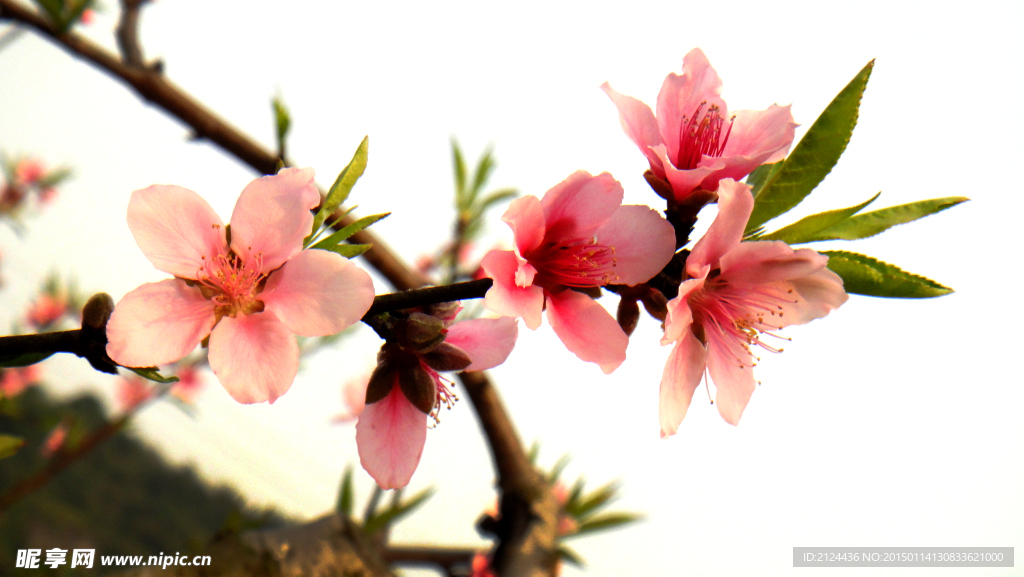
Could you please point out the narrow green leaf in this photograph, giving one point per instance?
(77, 9)
(460, 175)
(282, 121)
(395, 512)
(153, 374)
(560, 466)
(350, 250)
(814, 156)
(874, 222)
(23, 360)
(349, 230)
(342, 186)
(496, 197)
(865, 275)
(534, 452)
(761, 175)
(346, 496)
(9, 445)
(570, 556)
(480, 176)
(55, 177)
(605, 522)
(805, 229)
(574, 496)
(594, 500)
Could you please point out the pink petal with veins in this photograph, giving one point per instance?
(526, 219)
(643, 241)
(505, 297)
(488, 342)
(639, 124)
(682, 374)
(318, 293)
(586, 329)
(272, 216)
(158, 323)
(390, 436)
(254, 356)
(577, 206)
(175, 228)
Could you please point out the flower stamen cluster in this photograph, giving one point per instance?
(699, 139)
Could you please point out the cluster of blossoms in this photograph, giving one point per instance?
(25, 178)
(247, 289)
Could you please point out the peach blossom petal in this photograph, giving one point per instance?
(731, 368)
(734, 206)
(488, 342)
(272, 216)
(158, 323)
(644, 242)
(761, 135)
(505, 297)
(681, 377)
(680, 97)
(587, 329)
(526, 219)
(390, 436)
(318, 293)
(764, 262)
(819, 294)
(575, 207)
(639, 124)
(175, 228)
(680, 317)
(254, 356)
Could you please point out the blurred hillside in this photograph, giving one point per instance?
(120, 499)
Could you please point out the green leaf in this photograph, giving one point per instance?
(460, 175)
(346, 496)
(570, 556)
(76, 12)
(593, 501)
(282, 121)
(805, 229)
(872, 223)
(349, 230)
(350, 250)
(605, 522)
(395, 512)
(482, 173)
(497, 196)
(534, 452)
(761, 175)
(24, 360)
(815, 155)
(342, 186)
(865, 275)
(9, 445)
(55, 177)
(560, 466)
(153, 374)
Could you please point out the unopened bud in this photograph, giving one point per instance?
(444, 311)
(447, 357)
(97, 311)
(422, 332)
(628, 315)
(656, 304)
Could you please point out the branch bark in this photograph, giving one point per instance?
(528, 509)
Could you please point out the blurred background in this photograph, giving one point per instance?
(888, 423)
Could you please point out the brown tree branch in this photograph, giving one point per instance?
(528, 510)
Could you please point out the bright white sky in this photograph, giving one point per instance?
(889, 423)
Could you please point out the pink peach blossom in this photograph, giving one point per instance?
(46, 310)
(55, 440)
(16, 379)
(28, 171)
(132, 391)
(250, 290)
(694, 142)
(392, 431)
(577, 236)
(736, 292)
